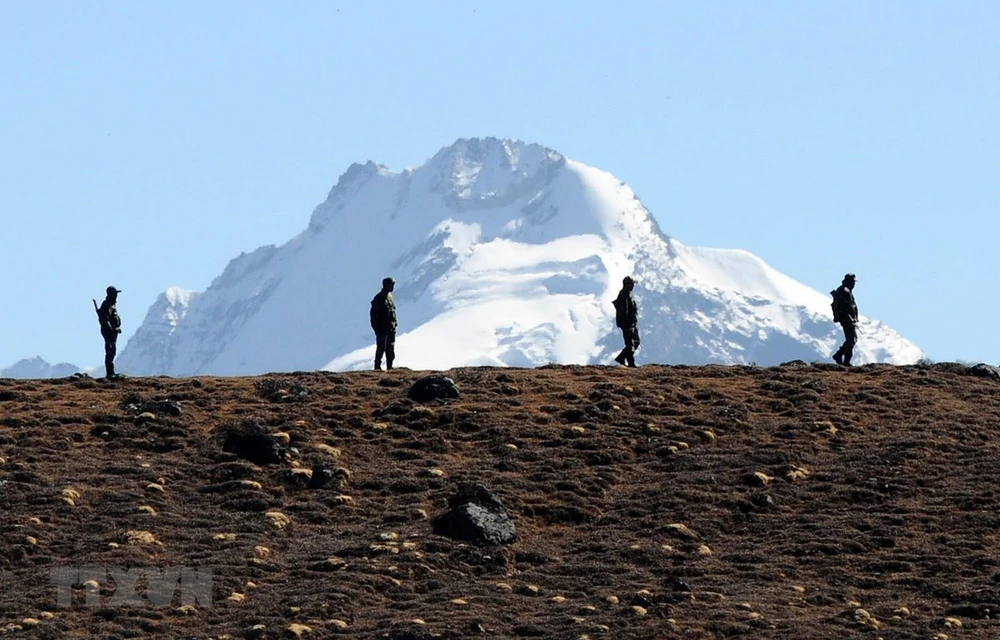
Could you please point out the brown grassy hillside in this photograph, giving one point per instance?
(806, 502)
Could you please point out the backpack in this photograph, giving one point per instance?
(619, 312)
(835, 307)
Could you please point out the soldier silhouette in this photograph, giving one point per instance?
(111, 326)
(383, 321)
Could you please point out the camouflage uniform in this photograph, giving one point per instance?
(111, 326)
(627, 319)
(846, 312)
(383, 321)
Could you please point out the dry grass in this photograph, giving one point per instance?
(662, 502)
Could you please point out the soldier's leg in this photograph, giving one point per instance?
(379, 349)
(110, 351)
(632, 341)
(390, 348)
(620, 358)
(839, 356)
(850, 339)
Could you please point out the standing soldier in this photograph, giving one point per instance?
(383, 320)
(627, 319)
(111, 326)
(845, 312)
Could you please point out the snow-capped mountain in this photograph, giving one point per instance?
(36, 368)
(504, 253)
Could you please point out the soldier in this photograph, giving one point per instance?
(111, 326)
(383, 321)
(845, 312)
(627, 319)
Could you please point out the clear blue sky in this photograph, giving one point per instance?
(146, 144)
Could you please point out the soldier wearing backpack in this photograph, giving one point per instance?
(845, 312)
(383, 321)
(627, 319)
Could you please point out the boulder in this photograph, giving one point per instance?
(985, 370)
(435, 387)
(476, 515)
(252, 442)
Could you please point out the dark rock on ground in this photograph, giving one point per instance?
(985, 371)
(252, 442)
(434, 387)
(476, 515)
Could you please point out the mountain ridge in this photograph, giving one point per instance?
(504, 253)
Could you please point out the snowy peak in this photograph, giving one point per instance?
(504, 253)
(486, 170)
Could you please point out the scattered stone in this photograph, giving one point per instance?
(278, 519)
(459, 601)
(757, 479)
(342, 473)
(251, 441)
(796, 473)
(297, 477)
(612, 600)
(681, 531)
(677, 584)
(30, 622)
(333, 563)
(225, 537)
(186, 609)
(136, 537)
(298, 630)
(31, 540)
(145, 417)
(152, 486)
(321, 476)
(70, 496)
(343, 499)
(503, 586)
(434, 387)
(953, 623)
(237, 597)
(704, 550)
(476, 515)
(338, 624)
(255, 632)
(529, 590)
(333, 452)
(707, 436)
(638, 611)
(147, 510)
(419, 514)
(435, 473)
(47, 615)
(261, 552)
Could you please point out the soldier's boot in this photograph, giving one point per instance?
(838, 357)
(388, 364)
(378, 365)
(110, 370)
